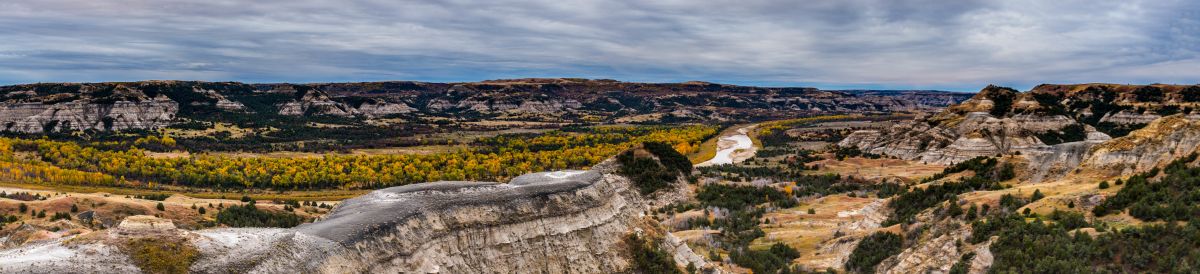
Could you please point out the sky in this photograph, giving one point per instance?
(834, 44)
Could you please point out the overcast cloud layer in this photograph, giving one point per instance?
(957, 44)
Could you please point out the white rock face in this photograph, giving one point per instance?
(36, 117)
(681, 253)
(1129, 117)
(315, 102)
(983, 258)
(222, 102)
(374, 109)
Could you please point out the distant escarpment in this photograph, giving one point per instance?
(57, 107)
(1057, 128)
(548, 222)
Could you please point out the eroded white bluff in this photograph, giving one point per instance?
(550, 222)
(37, 117)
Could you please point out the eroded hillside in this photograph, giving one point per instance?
(36, 108)
(558, 222)
(1053, 127)
(1060, 179)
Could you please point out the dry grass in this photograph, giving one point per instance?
(111, 208)
(708, 150)
(161, 254)
(639, 118)
(313, 195)
(233, 130)
(809, 233)
(879, 168)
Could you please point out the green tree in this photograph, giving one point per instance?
(872, 250)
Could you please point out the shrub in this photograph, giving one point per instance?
(646, 173)
(60, 216)
(776, 258)
(872, 250)
(1070, 133)
(153, 196)
(1002, 100)
(250, 216)
(1171, 198)
(648, 258)
(161, 255)
(669, 157)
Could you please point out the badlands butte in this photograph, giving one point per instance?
(1083, 178)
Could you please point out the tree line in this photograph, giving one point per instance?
(60, 162)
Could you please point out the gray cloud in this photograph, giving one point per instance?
(852, 43)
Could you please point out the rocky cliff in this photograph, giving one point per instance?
(549, 222)
(35, 108)
(1054, 127)
(88, 109)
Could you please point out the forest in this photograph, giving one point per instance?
(647, 174)
(1055, 245)
(43, 161)
(1171, 198)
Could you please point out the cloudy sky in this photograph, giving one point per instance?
(951, 44)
